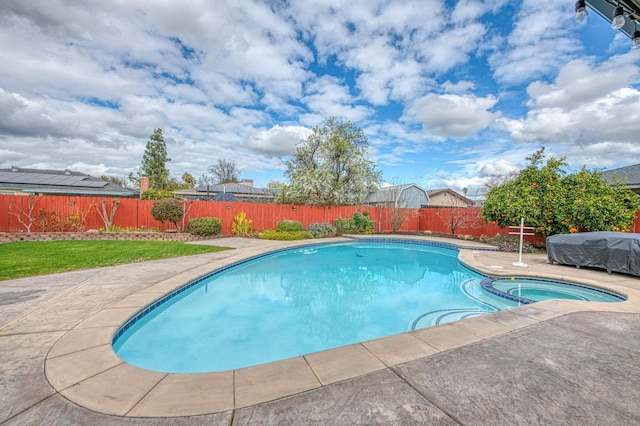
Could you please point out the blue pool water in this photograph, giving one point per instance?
(314, 298)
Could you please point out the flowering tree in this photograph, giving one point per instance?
(554, 202)
(330, 167)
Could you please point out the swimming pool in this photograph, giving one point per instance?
(304, 300)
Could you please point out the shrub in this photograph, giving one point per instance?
(289, 225)
(156, 194)
(241, 226)
(358, 224)
(343, 226)
(362, 223)
(270, 234)
(205, 226)
(509, 244)
(322, 230)
(50, 221)
(75, 222)
(167, 210)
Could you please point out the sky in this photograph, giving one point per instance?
(448, 93)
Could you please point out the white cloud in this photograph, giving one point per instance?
(541, 42)
(469, 10)
(96, 170)
(454, 116)
(580, 82)
(327, 97)
(614, 118)
(587, 105)
(497, 167)
(459, 87)
(279, 141)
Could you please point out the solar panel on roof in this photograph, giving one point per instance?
(48, 179)
(91, 184)
(9, 177)
(68, 180)
(25, 178)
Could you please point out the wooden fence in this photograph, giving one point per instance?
(72, 213)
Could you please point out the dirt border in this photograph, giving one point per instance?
(8, 237)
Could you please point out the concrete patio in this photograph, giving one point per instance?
(554, 362)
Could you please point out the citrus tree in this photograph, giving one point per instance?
(554, 202)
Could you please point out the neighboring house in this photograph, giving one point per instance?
(409, 196)
(630, 175)
(17, 181)
(446, 197)
(244, 191)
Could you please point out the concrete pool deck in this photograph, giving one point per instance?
(554, 362)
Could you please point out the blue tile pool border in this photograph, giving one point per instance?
(487, 284)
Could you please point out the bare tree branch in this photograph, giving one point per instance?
(29, 218)
(107, 218)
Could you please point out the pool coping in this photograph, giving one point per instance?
(83, 367)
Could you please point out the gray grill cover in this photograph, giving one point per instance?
(613, 251)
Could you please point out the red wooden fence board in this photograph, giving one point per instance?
(134, 214)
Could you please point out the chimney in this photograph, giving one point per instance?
(247, 182)
(144, 184)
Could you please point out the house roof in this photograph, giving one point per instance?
(238, 189)
(434, 192)
(629, 174)
(225, 196)
(234, 188)
(62, 182)
(390, 193)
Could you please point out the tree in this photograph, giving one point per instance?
(330, 167)
(554, 203)
(113, 179)
(592, 204)
(459, 217)
(459, 214)
(188, 181)
(275, 185)
(154, 161)
(107, 218)
(29, 216)
(205, 180)
(398, 200)
(169, 210)
(224, 171)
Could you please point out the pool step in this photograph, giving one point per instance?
(443, 316)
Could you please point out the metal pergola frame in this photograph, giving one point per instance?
(605, 8)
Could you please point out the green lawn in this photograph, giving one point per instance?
(29, 258)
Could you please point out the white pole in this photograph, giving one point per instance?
(519, 262)
(521, 236)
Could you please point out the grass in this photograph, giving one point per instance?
(30, 258)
